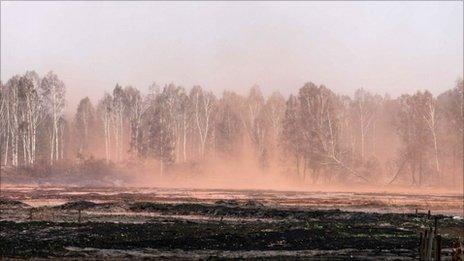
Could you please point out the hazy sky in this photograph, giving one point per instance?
(384, 47)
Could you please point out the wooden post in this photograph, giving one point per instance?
(426, 244)
(423, 253)
(438, 247)
(435, 225)
(428, 254)
(428, 214)
(421, 247)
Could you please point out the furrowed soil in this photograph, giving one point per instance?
(108, 223)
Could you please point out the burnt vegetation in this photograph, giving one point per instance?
(241, 226)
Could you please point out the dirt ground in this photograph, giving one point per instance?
(79, 223)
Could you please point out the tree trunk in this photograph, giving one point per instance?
(362, 138)
(7, 139)
(184, 141)
(437, 165)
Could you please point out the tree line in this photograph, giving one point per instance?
(315, 135)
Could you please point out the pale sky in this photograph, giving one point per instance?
(393, 47)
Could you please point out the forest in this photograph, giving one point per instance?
(315, 136)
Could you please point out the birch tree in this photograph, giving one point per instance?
(321, 129)
(364, 107)
(270, 119)
(3, 123)
(290, 137)
(34, 112)
(54, 94)
(85, 125)
(135, 108)
(415, 138)
(5, 117)
(13, 114)
(429, 115)
(451, 110)
(229, 129)
(160, 139)
(118, 110)
(255, 128)
(105, 110)
(182, 123)
(202, 105)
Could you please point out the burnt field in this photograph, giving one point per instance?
(198, 224)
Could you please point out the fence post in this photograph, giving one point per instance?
(429, 245)
(424, 245)
(421, 245)
(438, 247)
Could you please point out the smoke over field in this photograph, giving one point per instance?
(183, 174)
(231, 130)
(310, 139)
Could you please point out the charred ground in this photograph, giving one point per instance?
(221, 229)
